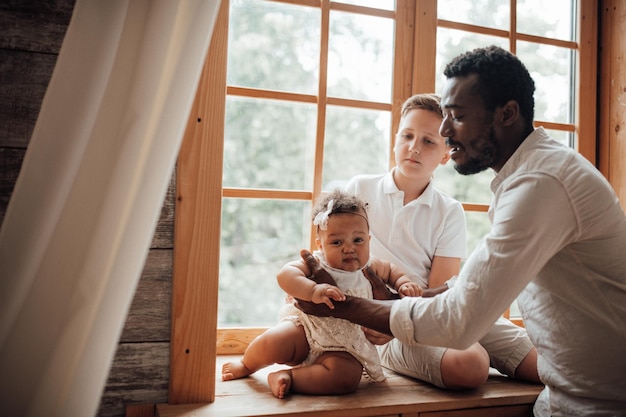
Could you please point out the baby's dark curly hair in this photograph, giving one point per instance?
(343, 202)
(502, 77)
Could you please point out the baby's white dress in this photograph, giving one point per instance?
(332, 334)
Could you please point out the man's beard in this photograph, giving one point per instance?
(484, 154)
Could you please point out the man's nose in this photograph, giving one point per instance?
(445, 129)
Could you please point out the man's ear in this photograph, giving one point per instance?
(509, 113)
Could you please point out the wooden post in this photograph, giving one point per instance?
(197, 236)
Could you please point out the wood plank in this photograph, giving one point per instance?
(33, 25)
(234, 341)
(139, 374)
(394, 396)
(10, 164)
(197, 235)
(148, 319)
(141, 410)
(25, 77)
(164, 233)
(525, 410)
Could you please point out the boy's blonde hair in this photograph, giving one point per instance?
(430, 102)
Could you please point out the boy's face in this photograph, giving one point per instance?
(345, 242)
(419, 148)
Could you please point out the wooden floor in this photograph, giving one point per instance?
(396, 396)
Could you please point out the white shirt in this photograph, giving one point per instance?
(409, 236)
(559, 241)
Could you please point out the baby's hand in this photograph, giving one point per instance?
(325, 293)
(410, 289)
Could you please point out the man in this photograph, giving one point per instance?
(557, 244)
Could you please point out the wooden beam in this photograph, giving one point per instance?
(612, 116)
(587, 74)
(196, 234)
(424, 73)
(402, 65)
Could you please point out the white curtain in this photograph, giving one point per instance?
(81, 218)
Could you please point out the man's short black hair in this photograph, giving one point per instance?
(501, 77)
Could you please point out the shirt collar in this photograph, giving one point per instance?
(510, 166)
(390, 187)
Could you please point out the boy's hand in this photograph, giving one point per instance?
(379, 288)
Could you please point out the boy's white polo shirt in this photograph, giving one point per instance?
(411, 235)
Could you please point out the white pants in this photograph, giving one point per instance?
(506, 343)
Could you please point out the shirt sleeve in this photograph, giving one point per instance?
(352, 186)
(532, 220)
(453, 241)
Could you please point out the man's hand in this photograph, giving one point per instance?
(320, 276)
(375, 337)
(381, 292)
(369, 313)
(379, 288)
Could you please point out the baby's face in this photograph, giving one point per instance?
(346, 241)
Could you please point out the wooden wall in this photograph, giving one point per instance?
(30, 39)
(31, 33)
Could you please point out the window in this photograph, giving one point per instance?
(314, 90)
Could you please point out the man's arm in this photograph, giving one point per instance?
(373, 314)
(369, 313)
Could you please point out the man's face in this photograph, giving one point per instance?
(468, 127)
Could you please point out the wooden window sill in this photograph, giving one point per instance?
(398, 395)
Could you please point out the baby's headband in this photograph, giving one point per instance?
(321, 219)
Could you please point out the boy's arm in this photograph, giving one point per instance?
(395, 277)
(442, 270)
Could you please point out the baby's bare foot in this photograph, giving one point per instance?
(234, 370)
(280, 382)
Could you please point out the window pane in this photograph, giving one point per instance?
(268, 144)
(258, 238)
(451, 42)
(547, 18)
(360, 57)
(377, 4)
(551, 68)
(274, 46)
(466, 188)
(489, 13)
(478, 226)
(566, 138)
(357, 142)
